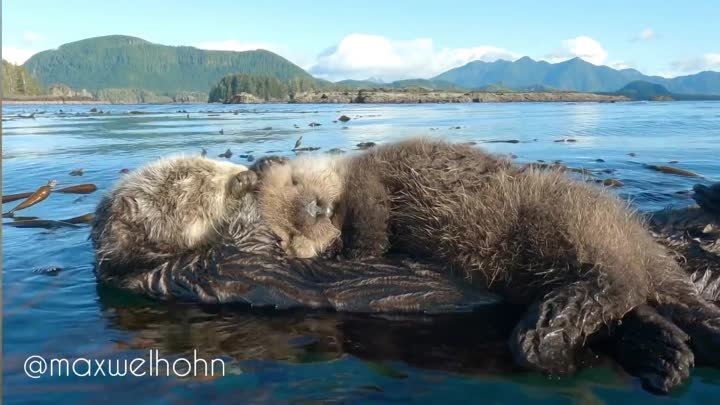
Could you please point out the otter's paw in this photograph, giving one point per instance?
(654, 349)
(538, 344)
(266, 162)
(243, 183)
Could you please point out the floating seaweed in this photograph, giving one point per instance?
(39, 195)
(672, 170)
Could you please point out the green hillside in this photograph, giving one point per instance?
(398, 84)
(17, 82)
(127, 62)
(427, 84)
(267, 87)
(642, 90)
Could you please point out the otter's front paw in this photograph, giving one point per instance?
(243, 183)
(266, 162)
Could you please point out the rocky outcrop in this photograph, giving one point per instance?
(413, 96)
(64, 91)
(244, 98)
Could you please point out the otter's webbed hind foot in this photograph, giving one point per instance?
(554, 329)
(701, 321)
(652, 348)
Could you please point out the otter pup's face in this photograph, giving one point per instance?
(298, 199)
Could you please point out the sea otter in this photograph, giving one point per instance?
(575, 256)
(168, 207)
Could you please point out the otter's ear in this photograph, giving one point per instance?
(243, 183)
(266, 162)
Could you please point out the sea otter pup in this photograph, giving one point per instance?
(298, 202)
(577, 257)
(168, 207)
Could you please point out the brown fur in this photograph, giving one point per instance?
(577, 256)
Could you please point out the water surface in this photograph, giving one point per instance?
(308, 357)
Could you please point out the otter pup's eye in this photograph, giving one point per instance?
(295, 181)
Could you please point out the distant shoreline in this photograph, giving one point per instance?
(412, 96)
(50, 100)
(374, 96)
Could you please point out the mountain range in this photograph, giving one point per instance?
(574, 74)
(117, 63)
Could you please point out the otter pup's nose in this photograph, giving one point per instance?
(328, 212)
(316, 209)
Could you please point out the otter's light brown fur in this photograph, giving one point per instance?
(298, 199)
(169, 206)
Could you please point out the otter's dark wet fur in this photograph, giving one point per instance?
(169, 207)
(579, 258)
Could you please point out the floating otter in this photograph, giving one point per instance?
(248, 264)
(577, 257)
(168, 207)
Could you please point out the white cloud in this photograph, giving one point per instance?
(708, 61)
(31, 36)
(359, 56)
(17, 56)
(619, 64)
(583, 47)
(646, 34)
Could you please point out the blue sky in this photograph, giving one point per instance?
(391, 39)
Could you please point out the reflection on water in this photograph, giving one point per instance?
(308, 357)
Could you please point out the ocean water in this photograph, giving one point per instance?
(302, 357)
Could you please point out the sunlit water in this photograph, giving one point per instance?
(303, 357)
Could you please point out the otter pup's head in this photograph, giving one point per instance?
(298, 199)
